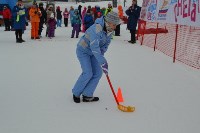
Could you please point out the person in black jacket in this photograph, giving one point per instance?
(43, 18)
(59, 16)
(79, 10)
(133, 13)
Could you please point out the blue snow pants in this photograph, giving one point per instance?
(90, 76)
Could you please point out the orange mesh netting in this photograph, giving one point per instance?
(177, 41)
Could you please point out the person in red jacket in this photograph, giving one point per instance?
(6, 18)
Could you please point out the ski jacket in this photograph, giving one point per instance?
(43, 18)
(71, 13)
(133, 16)
(95, 41)
(58, 14)
(52, 23)
(76, 19)
(19, 20)
(83, 14)
(66, 13)
(6, 13)
(88, 20)
(35, 14)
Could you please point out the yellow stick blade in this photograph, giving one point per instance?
(126, 109)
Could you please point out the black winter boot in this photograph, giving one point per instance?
(90, 99)
(76, 99)
(18, 41)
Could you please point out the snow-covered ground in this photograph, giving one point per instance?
(36, 78)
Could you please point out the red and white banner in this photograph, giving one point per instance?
(184, 12)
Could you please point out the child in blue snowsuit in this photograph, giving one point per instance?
(90, 53)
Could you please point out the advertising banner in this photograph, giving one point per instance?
(184, 12)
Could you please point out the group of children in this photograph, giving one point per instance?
(80, 19)
(84, 19)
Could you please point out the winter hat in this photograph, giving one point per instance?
(112, 17)
(41, 4)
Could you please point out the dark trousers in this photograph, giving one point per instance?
(66, 22)
(40, 28)
(18, 34)
(76, 27)
(117, 30)
(51, 31)
(133, 35)
(7, 24)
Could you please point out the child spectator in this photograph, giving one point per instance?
(59, 16)
(76, 22)
(52, 26)
(6, 18)
(83, 16)
(88, 19)
(71, 13)
(66, 16)
(120, 13)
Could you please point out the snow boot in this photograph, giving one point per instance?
(132, 42)
(18, 41)
(76, 99)
(90, 99)
(20, 38)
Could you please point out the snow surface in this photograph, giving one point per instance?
(36, 78)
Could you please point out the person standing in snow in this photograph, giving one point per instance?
(52, 26)
(109, 9)
(19, 16)
(76, 22)
(6, 17)
(66, 16)
(90, 53)
(35, 15)
(43, 18)
(71, 13)
(83, 16)
(133, 14)
(49, 12)
(59, 16)
(88, 20)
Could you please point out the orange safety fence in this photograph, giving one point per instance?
(180, 42)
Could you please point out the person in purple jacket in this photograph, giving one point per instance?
(52, 26)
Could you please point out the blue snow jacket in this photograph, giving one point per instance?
(95, 41)
(20, 24)
(88, 20)
(133, 16)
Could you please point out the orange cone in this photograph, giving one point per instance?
(119, 95)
